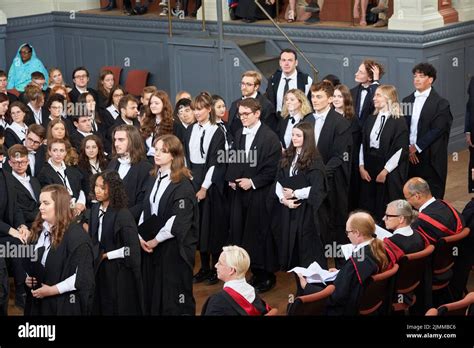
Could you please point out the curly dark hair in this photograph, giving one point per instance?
(309, 152)
(118, 198)
(149, 121)
(426, 69)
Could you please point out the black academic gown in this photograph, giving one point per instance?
(249, 216)
(298, 231)
(134, 183)
(374, 196)
(268, 115)
(354, 186)
(30, 116)
(27, 204)
(74, 94)
(368, 107)
(222, 304)
(440, 212)
(48, 176)
(469, 128)
(40, 160)
(119, 287)
(214, 209)
(434, 126)
(73, 255)
(168, 271)
(274, 83)
(408, 244)
(11, 138)
(350, 283)
(334, 146)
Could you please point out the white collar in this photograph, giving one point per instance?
(127, 122)
(84, 134)
(81, 90)
(252, 130)
(323, 114)
(427, 203)
(242, 287)
(24, 179)
(424, 94)
(204, 126)
(252, 96)
(361, 245)
(19, 129)
(292, 76)
(61, 167)
(124, 160)
(404, 231)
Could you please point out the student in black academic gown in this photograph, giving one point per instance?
(301, 188)
(36, 149)
(83, 124)
(111, 112)
(249, 86)
(169, 233)
(251, 171)
(128, 107)
(383, 158)
(119, 288)
(62, 269)
(333, 140)
(295, 108)
(237, 298)
(220, 110)
(4, 116)
(429, 125)
(368, 258)
(105, 84)
(55, 171)
(80, 76)
(367, 76)
(12, 228)
(3, 87)
(398, 217)
(469, 131)
(183, 118)
(157, 121)
(15, 133)
(343, 104)
(37, 112)
(27, 187)
(204, 146)
(129, 161)
(87, 105)
(462, 269)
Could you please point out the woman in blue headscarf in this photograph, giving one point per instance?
(25, 63)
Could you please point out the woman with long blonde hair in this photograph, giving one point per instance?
(383, 156)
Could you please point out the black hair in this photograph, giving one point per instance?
(426, 69)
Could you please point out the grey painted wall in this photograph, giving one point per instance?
(191, 59)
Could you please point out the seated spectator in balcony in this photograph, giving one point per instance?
(24, 64)
(249, 12)
(238, 298)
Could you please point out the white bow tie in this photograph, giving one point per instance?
(247, 131)
(421, 94)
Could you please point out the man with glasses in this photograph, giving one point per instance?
(36, 150)
(249, 85)
(250, 182)
(80, 76)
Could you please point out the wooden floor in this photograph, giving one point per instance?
(456, 192)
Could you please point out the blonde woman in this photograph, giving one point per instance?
(295, 107)
(383, 156)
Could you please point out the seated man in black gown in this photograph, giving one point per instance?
(237, 296)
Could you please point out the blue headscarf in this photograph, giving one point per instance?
(19, 74)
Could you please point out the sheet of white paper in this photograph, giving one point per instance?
(382, 233)
(347, 250)
(315, 274)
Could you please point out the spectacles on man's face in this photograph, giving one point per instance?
(245, 114)
(34, 142)
(19, 163)
(350, 231)
(83, 76)
(248, 84)
(386, 216)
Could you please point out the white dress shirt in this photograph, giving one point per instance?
(124, 166)
(406, 231)
(32, 159)
(289, 128)
(195, 155)
(420, 99)
(292, 84)
(38, 114)
(113, 111)
(25, 181)
(319, 119)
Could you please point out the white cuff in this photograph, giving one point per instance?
(165, 232)
(67, 285)
(116, 254)
(361, 155)
(302, 193)
(279, 191)
(208, 178)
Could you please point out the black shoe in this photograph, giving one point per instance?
(232, 13)
(266, 285)
(201, 276)
(212, 278)
(312, 20)
(248, 20)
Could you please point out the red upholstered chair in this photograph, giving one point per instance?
(116, 70)
(136, 81)
(313, 304)
(410, 274)
(273, 312)
(14, 92)
(378, 293)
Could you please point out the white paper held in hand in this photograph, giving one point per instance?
(315, 274)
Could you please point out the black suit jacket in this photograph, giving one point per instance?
(274, 82)
(12, 217)
(27, 204)
(74, 94)
(267, 115)
(134, 183)
(434, 126)
(368, 107)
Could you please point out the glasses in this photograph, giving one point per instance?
(386, 216)
(34, 141)
(347, 232)
(19, 163)
(80, 76)
(245, 114)
(55, 107)
(248, 84)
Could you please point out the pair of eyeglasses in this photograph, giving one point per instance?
(34, 142)
(248, 84)
(350, 231)
(390, 216)
(19, 163)
(245, 114)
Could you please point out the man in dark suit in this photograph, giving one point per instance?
(367, 76)
(333, 140)
(286, 78)
(3, 87)
(469, 130)
(83, 128)
(12, 229)
(80, 76)
(36, 150)
(27, 188)
(429, 120)
(249, 85)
